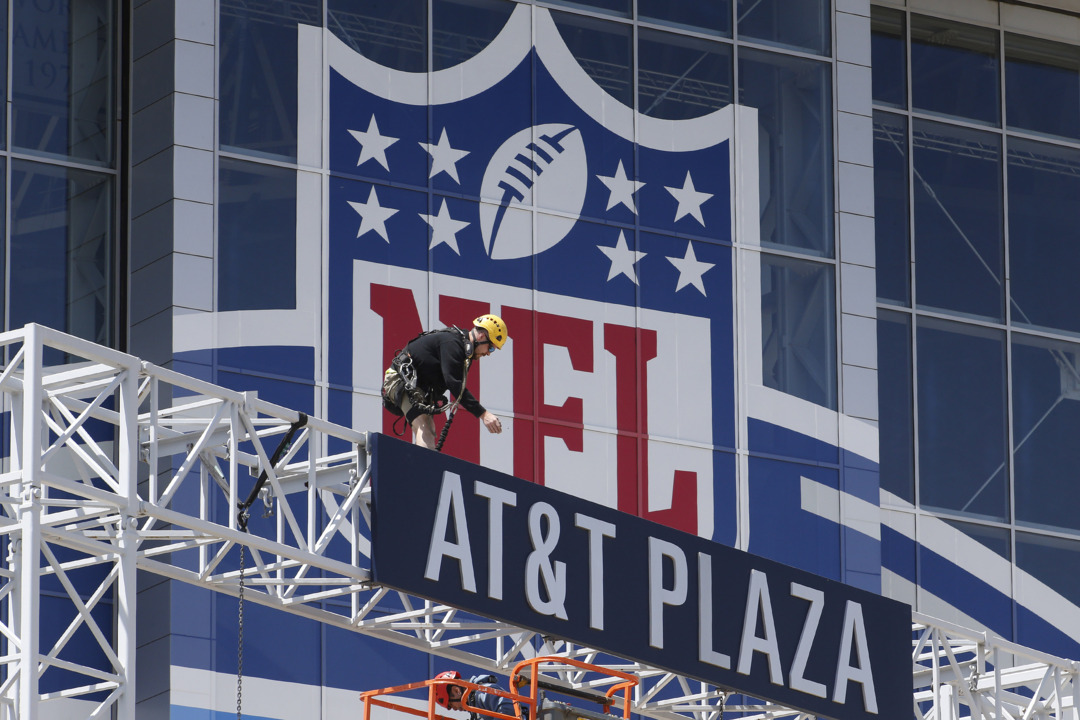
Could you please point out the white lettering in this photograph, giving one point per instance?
(855, 633)
(758, 604)
(539, 564)
(598, 530)
(706, 653)
(659, 596)
(497, 500)
(806, 640)
(451, 500)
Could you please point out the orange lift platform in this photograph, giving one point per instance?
(525, 677)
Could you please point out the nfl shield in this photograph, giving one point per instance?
(604, 239)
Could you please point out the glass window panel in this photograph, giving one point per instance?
(256, 237)
(3, 68)
(390, 32)
(996, 538)
(794, 101)
(895, 402)
(258, 75)
(1052, 561)
(1044, 233)
(62, 243)
(801, 25)
(959, 243)
(682, 77)
(604, 49)
(1042, 86)
(709, 17)
(961, 420)
(944, 51)
(620, 8)
(1046, 423)
(888, 52)
(3, 273)
(798, 328)
(462, 28)
(891, 209)
(62, 82)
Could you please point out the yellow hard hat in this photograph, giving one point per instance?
(494, 327)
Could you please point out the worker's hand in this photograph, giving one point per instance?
(492, 423)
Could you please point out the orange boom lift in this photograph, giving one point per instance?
(525, 676)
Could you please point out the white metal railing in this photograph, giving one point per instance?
(80, 511)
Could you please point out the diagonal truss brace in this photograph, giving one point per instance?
(115, 464)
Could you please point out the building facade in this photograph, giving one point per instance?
(789, 276)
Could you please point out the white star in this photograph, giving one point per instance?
(372, 144)
(690, 269)
(621, 189)
(689, 198)
(622, 259)
(444, 228)
(444, 158)
(372, 215)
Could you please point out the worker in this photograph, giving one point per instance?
(433, 363)
(449, 696)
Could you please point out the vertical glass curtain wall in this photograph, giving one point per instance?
(59, 157)
(59, 163)
(978, 336)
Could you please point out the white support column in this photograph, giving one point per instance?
(9, 711)
(27, 554)
(946, 703)
(126, 584)
(126, 591)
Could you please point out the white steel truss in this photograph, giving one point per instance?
(81, 511)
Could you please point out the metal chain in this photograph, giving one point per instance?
(240, 640)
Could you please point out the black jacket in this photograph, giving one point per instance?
(439, 360)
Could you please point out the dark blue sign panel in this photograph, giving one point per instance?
(497, 546)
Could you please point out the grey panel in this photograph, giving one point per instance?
(152, 129)
(194, 121)
(860, 392)
(152, 26)
(151, 183)
(151, 236)
(857, 295)
(195, 70)
(152, 287)
(853, 38)
(858, 340)
(152, 77)
(857, 239)
(193, 228)
(855, 139)
(151, 339)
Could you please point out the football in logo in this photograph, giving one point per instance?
(542, 167)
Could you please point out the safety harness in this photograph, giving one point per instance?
(400, 381)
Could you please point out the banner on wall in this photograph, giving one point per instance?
(513, 184)
(494, 545)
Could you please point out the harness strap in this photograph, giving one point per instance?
(421, 399)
